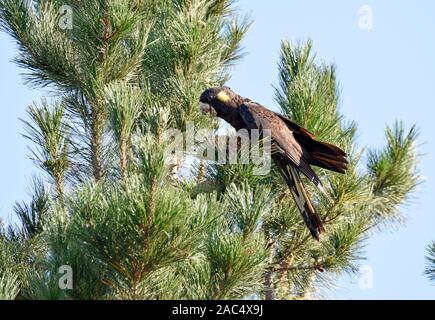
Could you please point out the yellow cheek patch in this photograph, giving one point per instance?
(223, 96)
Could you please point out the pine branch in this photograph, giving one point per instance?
(430, 262)
(393, 170)
(49, 132)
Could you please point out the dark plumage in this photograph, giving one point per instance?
(296, 148)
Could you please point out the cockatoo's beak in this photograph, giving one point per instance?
(205, 108)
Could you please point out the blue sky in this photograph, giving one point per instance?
(385, 73)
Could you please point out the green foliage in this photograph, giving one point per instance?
(32, 215)
(393, 169)
(126, 72)
(9, 286)
(50, 134)
(430, 262)
(17, 255)
(9, 282)
(308, 93)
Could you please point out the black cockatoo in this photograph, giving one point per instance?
(295, 148)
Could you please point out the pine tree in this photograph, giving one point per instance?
(109, 204)
(430, 262)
